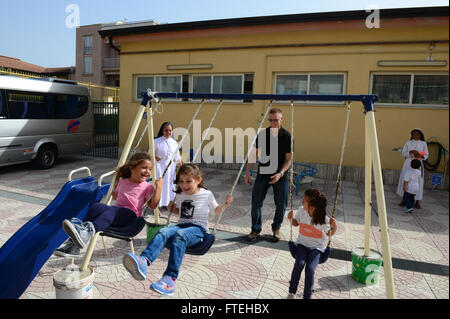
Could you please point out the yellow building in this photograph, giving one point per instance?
(399, 54)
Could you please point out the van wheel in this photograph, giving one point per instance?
(45, 158)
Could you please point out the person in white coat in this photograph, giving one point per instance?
(417, 148)
(166, 148)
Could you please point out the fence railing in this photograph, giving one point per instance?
(97, 92)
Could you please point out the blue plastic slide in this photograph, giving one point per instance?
(24, 254)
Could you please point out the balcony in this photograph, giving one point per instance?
(111, 64)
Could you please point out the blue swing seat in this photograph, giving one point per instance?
(202, 247)
(125, 233)
(323, 256)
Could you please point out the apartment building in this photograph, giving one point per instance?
(96, 62)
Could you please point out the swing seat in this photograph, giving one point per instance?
(202, 247)
(323, 256)
(127, 232)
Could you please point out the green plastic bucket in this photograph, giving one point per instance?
(152, 229)
(366, 269)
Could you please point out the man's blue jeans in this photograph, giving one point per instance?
(176, 238)
(280, 196)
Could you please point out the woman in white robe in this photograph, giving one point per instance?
(416, 147)
(165, 148)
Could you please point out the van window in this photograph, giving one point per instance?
(2, 106)
(30, 105)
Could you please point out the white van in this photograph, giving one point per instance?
(43, 119)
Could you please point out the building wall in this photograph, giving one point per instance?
(100, 50)
(266, 51)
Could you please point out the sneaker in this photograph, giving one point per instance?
(409, 210)
(165, 286)
(290, 296)
(253, 236)
(276, 235)
(136, 266)
(68, 250)
(81, 233)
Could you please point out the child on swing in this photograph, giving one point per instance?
(131, 191)
(311, 242)
(194, 203)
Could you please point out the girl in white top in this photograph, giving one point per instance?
(314, 230)
(165, 148)
(417, 148)
(194, 203)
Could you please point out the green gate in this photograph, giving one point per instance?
(106, 130)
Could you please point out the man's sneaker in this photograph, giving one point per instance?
(165, 286)
(276, 235)
(136, 266)
(81, 233)
(409, 210)
(68, 250)
(290, 296)
(253, 236)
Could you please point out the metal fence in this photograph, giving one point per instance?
(106, 130)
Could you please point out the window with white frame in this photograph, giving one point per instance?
(219, 83)
(410, 89)
(195, 83)
(201, 83)
(157, 83)
(309, 83)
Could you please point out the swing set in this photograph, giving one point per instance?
(372, 161)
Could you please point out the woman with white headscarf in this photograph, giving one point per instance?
(166, 148)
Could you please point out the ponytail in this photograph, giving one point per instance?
(317, 200)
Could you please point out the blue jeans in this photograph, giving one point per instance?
(408, 198)
(310, 258)
(280, 196)
(176, 238)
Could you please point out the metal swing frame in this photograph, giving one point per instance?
(372, 154)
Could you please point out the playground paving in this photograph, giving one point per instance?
(233, 268)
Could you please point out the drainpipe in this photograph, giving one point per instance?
(112, 45)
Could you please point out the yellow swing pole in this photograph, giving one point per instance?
(368, 188)
(381, 204)
(151, 141)
(127, 147)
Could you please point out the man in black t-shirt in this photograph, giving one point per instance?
(274, 147)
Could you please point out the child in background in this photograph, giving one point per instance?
(411, 184)
(194, 203)
(311, 242)
(131, 191)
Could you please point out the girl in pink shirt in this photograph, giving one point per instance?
(131, 192)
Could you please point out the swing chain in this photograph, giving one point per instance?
(338, 181)
(218, 217)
